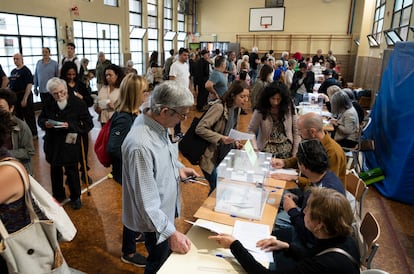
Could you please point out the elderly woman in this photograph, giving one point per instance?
(64, 120)
(109, 93)
(328, 215)
(274, 122)
(346, 123)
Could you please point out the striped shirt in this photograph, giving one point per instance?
(150, 176)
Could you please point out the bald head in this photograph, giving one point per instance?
(311, 120)
(18, 60)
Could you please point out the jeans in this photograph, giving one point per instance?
(211, 178)
(128, 241)
(157, 254)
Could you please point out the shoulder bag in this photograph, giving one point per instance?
(101, 144)
(193, 146)
(34, 248)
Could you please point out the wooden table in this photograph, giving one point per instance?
(202, 257)
(206, 211)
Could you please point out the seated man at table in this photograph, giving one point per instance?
(313, 163)
(310, 126)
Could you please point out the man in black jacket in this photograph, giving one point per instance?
(64, 120)
(202, 71)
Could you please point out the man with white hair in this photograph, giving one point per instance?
(101, 65)
(254, 61)
(64, 119)
(151, 174)
(285, 57)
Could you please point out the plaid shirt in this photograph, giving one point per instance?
(150, 175)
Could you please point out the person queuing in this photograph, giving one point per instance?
(215, 127)
(274, 122)
(46, 68)
(151, 174)
(79, 88)
(109, 93)
(328, 215)
(64, 120)
(20, 142)
(21, 80)
(131, 96)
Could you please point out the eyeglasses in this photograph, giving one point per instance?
(182, 116)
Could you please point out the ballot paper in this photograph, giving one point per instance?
(212, 226)
(249, 234)
(239, 136)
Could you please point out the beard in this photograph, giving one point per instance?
(62, 104)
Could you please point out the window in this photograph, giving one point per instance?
(401, 17)
(91, 38)
(113, 3)
(136, 35)
(378, 20)
(152, 23)
(181, 31)
(28, 35)
(169, 35)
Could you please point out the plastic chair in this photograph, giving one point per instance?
(370, 232)
(374, 271)
(357, 188)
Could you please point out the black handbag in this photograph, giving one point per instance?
(193, 146)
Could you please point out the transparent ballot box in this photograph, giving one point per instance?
(240, 189)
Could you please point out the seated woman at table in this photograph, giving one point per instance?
(347, 122)
(328, 215)
(215, 127)
(274, 122)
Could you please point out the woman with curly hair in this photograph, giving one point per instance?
(274, 122)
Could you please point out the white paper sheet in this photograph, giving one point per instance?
(249, 234)
(287, 171)
(239, 136)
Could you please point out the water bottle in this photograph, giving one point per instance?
(306, 98)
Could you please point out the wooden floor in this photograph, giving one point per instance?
(97, 246)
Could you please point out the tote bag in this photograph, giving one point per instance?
(33, 248)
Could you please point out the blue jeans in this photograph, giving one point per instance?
(212, 179)
(157, 253)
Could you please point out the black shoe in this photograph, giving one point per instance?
(177, 137)
(137, 260)
(77, 204)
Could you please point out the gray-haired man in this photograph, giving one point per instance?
(151, 174)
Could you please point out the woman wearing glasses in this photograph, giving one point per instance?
(274, 122)
(215, 127)
(328, 215)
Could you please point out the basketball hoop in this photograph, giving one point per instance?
(265, 26)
